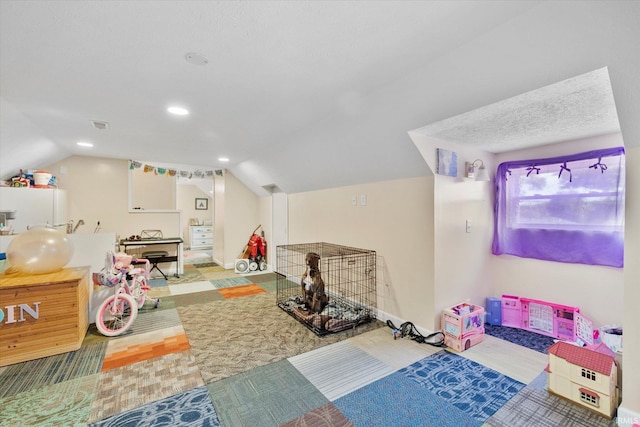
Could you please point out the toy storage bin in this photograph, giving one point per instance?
(463, 326)
(494, 311)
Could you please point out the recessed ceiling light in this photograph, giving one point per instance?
(84, 144)
(223, 159)
(178, 111)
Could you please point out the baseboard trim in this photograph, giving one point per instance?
(627, 417)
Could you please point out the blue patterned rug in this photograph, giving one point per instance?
(443, 389)
(537, 342)
(191, 408)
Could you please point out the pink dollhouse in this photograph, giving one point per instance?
(555, 320)
(584, 375)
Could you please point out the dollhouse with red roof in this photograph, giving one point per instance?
(587, 376)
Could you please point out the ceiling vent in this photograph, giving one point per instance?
(100, 125)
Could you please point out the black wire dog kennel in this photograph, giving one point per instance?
(327, 287)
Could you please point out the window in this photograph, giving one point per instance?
(589, 397)
(590, 375)
(565, 209)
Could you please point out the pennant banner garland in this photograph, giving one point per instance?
(170, 172)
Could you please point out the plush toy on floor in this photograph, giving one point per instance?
(313, 291)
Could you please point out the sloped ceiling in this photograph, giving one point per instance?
(301, 95)
(575, 108)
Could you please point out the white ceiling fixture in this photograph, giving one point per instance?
(84, 144)
(223, 159)
(99, 125)
(178, 111)
(196, 59)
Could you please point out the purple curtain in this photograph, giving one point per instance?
(565, 209)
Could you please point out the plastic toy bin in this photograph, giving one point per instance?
(463, 326)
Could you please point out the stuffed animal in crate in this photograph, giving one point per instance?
(313, 292)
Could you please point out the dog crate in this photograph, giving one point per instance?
(349, 276)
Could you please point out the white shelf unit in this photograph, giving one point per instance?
(201, 236)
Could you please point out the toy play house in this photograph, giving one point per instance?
(584, 375)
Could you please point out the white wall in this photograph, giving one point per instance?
(461, 271)
(218, 219)
(97, 190)
(241, 217)
(396, 222)
(629, 307)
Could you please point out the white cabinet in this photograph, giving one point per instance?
(201, 236)
(34, 206)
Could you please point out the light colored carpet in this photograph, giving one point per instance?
(188, 288)
(339, 368)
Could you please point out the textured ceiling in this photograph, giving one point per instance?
(301, 95)
(579, 107)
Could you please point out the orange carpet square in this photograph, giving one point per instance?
(241, 291)
(141, 352)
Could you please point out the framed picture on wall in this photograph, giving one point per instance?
(447, 162)
(202, 204)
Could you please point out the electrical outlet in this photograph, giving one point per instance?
(354, 200)
(363, 200)
(468, 225)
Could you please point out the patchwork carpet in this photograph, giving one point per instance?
(204, 359)
(537, 342)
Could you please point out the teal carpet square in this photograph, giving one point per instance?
(157, 282)
(269, 395)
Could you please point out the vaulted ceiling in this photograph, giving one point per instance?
(300, 95)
